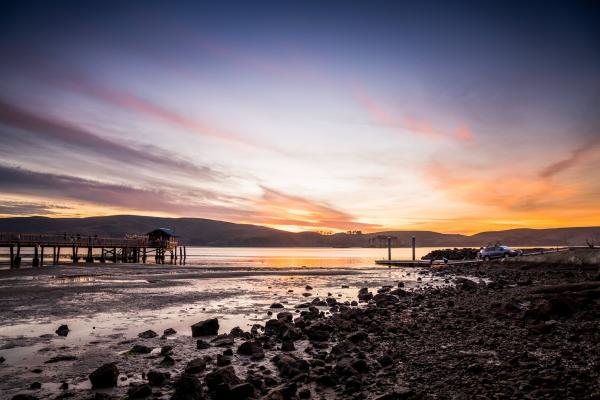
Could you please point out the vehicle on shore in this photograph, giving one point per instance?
(497, 251)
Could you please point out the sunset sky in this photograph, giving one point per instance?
(370, 115)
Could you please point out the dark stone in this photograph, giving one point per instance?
(304, 394)
(276, 305)
(223, 340)
(167, 362)
(24, 396)
(285, 316)
(105, 376)
(201, 344)
(206, 328)
(62, 330)
(364, 294)
(237, 332)
(195, 366)
(287, 345)
(289, 365)
(188, 387)
(225, 375)
(157, 378)
(285, 391)
(385, 360)
(251, 348)
(149, 334)
(60, 358)
(140, 349)
(241, 391)
(139, 391)
(223, 360)
(35, 385)
(169, 332)
(64, 386)
(358, 336)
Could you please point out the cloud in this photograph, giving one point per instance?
(279, 209)
(9, 207)
(52, 131)
(576, 156)
(409, 123)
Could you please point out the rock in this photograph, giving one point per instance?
(550, 308)
(225, 375)
(188, 387)
(149, 334)
(364, 294)
(308, 287)
(157, 378)
(24, 396)
(64, 357)
(306, 294)
(195, 366)
(35, 385)
(304, 394)
(384, 299)
(201, 344)
(167, 362)
(252, 348)
(345, 287)
(140, 349)
(62, 330)
(465, 284)
(276, 305)
(241, 391)
(2, 359)
(398, 393)
(223, 340)
(285, 316)
(357, 336)
(223, 360)
(237, 332)
(166, 350)
(169, 332)
(385, 360)
(285, 391)
(105, 376)
(64, 386)
(139, 391)
(289, 365)
(287, 345)
(206, 328)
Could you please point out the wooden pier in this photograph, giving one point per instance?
(130, 249)
(425, 263)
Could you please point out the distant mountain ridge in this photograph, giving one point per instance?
(206, 232)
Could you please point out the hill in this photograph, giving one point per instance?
(206, 232)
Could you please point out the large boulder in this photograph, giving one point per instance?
(195, 366)
(157, 378)
(105, 376)
(206, 328)
(149, 334)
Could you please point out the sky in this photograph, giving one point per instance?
(456, 117)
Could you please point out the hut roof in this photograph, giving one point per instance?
(166, 231)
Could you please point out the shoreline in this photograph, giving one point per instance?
(506, 332)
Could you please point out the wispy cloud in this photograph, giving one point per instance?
(51, 130)
(576, 156)
(10, 207)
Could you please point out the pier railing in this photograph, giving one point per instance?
(27, 239)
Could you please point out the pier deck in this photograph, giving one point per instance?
(134, 248)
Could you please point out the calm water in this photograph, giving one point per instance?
(284, 257)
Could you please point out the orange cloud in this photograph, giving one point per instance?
(277, 209)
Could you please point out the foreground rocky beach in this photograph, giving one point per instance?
(497, 331)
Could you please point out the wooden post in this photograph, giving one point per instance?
(389, 246)
(175, 252)
(414, 243)
(12, 256)
(58, 255)
(180, 254)
(36, 259)
(144, 255)
(90, 256)
(184, 254)
(74, 255)
(114, 255)
(54, 255)
(102, 255)
(18, 257)
(42, 256)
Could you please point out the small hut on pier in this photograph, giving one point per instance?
(163, 237)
